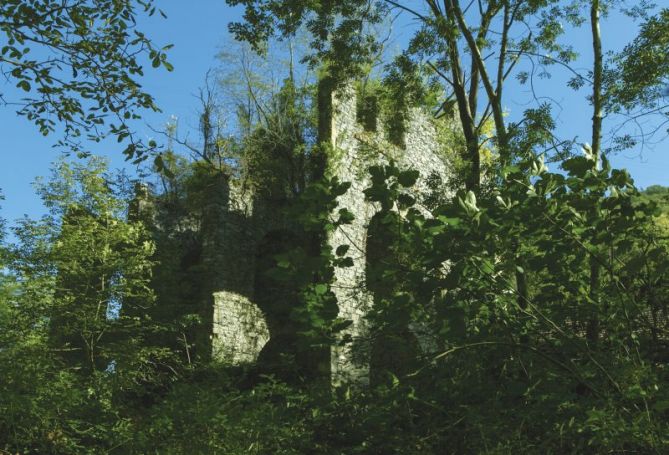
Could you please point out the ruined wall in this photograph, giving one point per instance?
(240, 331)
(239, 327)
(355, 150)
(234, 241)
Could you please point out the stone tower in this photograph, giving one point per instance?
(239, 327)
(358, 149)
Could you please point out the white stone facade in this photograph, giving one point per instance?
(240, 330)
(355, 151)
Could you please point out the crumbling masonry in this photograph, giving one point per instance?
(234, 234)
(239, 327)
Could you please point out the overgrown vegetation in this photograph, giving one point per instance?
(543, 287)
(77, 67)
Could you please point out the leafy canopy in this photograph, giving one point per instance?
(78, 64)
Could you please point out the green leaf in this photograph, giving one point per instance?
(661, 406)
(578, 166)
(321, 289)
(346, 262)
(405, 200)
(341, 188)
(487, 267)
(25, 85)
(408, 178)
(452, 221)
(342, 250)
(345, 216)
(377, 173)
(340, 324)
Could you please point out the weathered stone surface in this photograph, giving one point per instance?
(240, 330)
(355, 151)
(238, 225)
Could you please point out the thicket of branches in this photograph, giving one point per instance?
(544, 286)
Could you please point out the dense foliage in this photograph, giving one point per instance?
(77, 66)
(556, 371)
(74, 325)
(543, 287)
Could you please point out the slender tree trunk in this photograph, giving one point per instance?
(597, 83)
(454, 11)
(467, 120)
(466, 100)
(592, 330)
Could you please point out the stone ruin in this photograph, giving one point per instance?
(238, 232)
(239, 327)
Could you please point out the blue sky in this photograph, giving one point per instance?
(198, 30)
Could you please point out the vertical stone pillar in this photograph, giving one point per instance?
(211, 279)
(237, 329)
(350, 361)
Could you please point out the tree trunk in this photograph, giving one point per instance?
(593, 324)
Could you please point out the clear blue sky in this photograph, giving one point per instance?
(198, 30)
